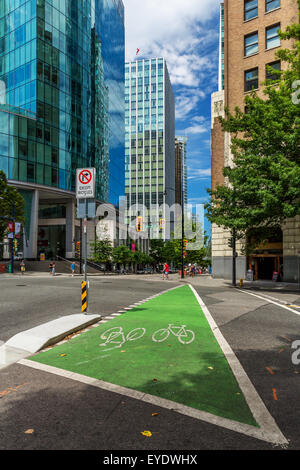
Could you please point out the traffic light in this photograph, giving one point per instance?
(139, 224)
(162, 224)
(184, 252)
(78, 249)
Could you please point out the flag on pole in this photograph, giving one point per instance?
(137, 51)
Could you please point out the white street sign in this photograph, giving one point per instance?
(85, 183)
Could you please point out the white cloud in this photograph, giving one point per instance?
(198, 173)
(177, 31)
(165, 22)
(199, 125)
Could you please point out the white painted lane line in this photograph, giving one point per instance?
(269, 430)
(270, 301)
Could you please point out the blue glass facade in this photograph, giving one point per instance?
(64, 62)
(110, 28)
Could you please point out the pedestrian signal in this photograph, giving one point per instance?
(139, 224)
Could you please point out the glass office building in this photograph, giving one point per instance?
(62, 71)
(149, 137)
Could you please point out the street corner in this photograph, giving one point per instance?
(167, 350)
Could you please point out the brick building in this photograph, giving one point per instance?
(248, 43)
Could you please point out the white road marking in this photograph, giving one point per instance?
(268, 430)
(267, 299)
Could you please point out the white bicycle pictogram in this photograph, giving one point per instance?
(183, 335)
(116, 336)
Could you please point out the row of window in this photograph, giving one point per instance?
(272, 40)
(252, 76)
(23, 170)
(155, 197)
(141, 127)
(251, 8)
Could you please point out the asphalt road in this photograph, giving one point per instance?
(28, 301)
(61, 413)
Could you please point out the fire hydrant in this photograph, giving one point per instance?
(241, 283)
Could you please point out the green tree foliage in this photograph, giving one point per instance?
(157, 250)
(121, 254)
(8, 196)
(102, 251)
(263, 185)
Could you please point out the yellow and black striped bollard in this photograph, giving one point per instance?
(84, 297)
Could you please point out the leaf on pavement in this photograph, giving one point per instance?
(154, 414)
(29, 431)
(146, 433)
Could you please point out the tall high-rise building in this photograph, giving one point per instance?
(149, 137)
(181, 170)
(61, 108)
(251, 40)
(221, 48)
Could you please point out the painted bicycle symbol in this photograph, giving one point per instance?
(117, 337)
(183, 335)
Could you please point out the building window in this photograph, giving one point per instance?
(270, 74)
(251, 79)
(272, 4)
(251, 44)
(251, 9)
(272, 36)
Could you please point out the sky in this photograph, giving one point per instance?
(186, 34)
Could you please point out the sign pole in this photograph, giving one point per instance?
(85, 252)
(85, 190)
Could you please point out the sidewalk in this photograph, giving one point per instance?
(205, 280)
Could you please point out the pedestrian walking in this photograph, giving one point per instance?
(166, 271)
(22, 266)
(51, 268)
(73, 268)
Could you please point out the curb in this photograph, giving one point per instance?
(33, 340)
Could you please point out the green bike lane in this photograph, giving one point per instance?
(169, 349)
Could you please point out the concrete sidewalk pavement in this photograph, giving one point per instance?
(31, 341)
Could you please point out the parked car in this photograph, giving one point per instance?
(149, 270)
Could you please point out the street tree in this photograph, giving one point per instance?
(11, 202)
(121, 255)
(102, 251)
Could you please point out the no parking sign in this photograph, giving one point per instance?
(85, 183)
